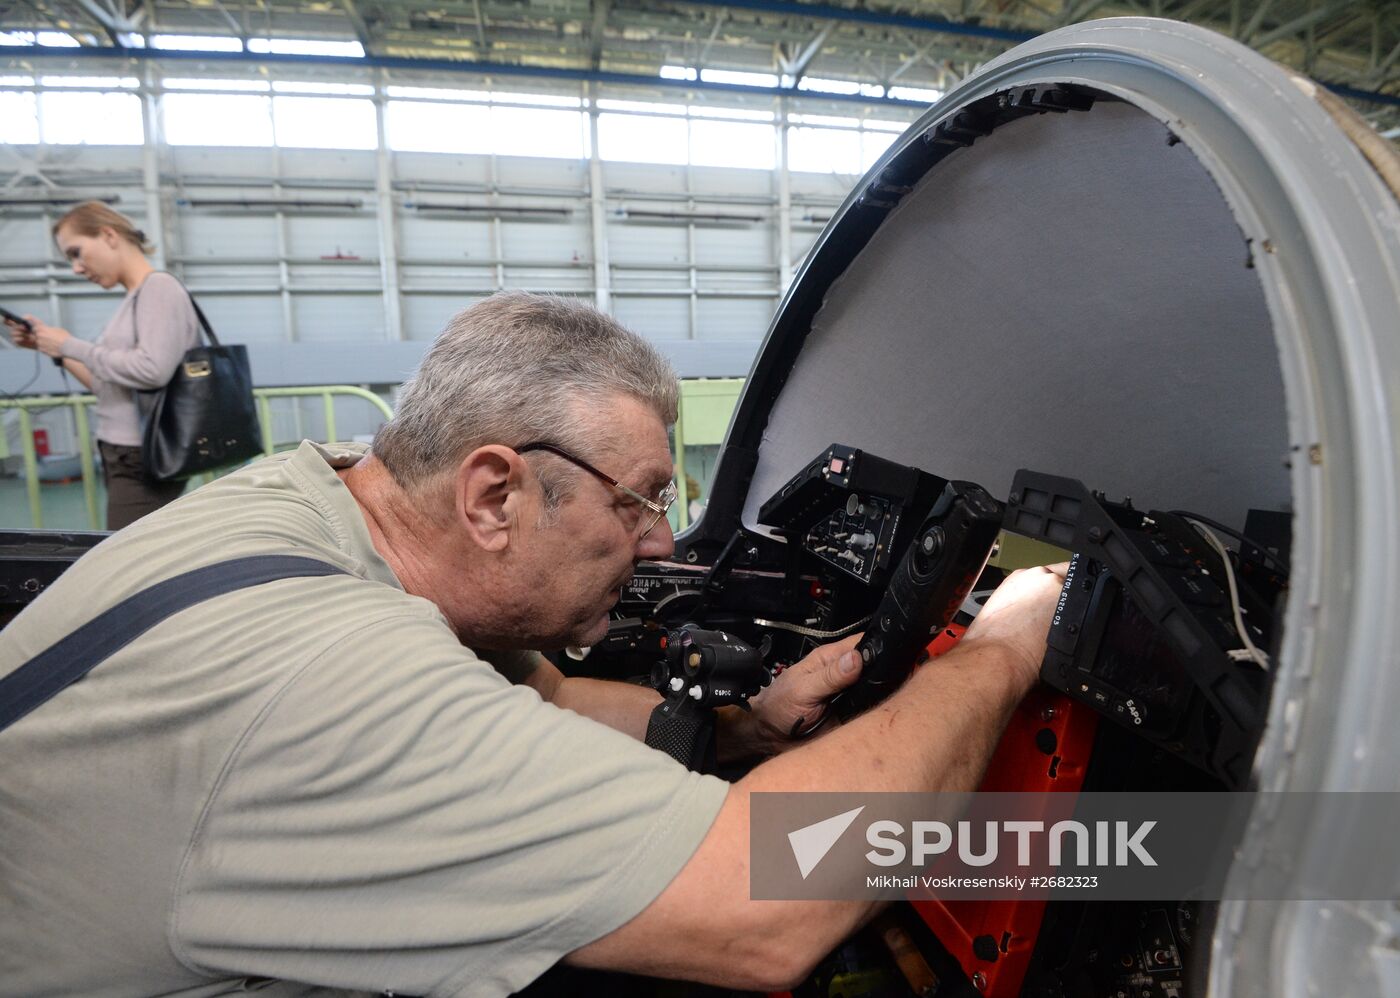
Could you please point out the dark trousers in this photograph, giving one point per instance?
(130, 494)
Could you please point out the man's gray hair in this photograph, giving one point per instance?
(512, 369)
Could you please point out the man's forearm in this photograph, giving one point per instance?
(935, 734)
(623, 706)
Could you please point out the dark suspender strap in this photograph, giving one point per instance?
(72, 657)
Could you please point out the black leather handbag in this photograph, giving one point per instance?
(205, 418)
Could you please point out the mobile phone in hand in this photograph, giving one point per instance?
(9, 316)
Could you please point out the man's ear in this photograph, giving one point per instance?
(488, 491)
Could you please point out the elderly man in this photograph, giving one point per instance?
(322, 781)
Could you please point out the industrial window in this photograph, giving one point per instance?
(520, 131)
(197, 43)
(915, 94)
(90, 82)
(54, 39)
(324, 123)
(829, 120)
(643, 139)
(701, 111)
(821, 86)
(252, 86)
(19, 121)
(314, 87)
(91, 119)
(437, 93)
(732, 143)
(824, 150)
(738, 78)
(544, 100)
(217, 120)
(415, 126)
(306, 46)
(873, 146)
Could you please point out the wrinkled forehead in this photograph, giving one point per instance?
(629, 435)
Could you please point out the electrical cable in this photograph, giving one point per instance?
(1216, 525)
(14, 396)
(1250, 652)
(809, 632)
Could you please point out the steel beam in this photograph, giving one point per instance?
(1308, 20)
(352, 14)
(857, 15)
(480, 68)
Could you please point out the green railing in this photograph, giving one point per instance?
(80, 405)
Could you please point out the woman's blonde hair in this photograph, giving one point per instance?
(91, 217)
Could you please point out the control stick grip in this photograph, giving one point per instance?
(683, 731)
(928, 586)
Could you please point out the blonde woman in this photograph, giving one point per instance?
(138, 350)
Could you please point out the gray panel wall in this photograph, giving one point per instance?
(693, 254)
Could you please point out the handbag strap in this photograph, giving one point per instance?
(198, 312)
(74, 656)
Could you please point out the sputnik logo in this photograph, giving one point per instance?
(811, 843)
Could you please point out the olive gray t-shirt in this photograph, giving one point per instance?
(309, 780)
(137, 351)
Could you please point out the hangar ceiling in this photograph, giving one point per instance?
(1353, 45)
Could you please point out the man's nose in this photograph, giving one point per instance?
(659, 543)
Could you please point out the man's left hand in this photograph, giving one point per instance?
(795, 702)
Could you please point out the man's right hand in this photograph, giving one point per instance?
(1018, 615)
(936, 733)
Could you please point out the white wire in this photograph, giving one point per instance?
(1250, 651)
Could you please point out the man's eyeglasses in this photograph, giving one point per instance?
(654, 509)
